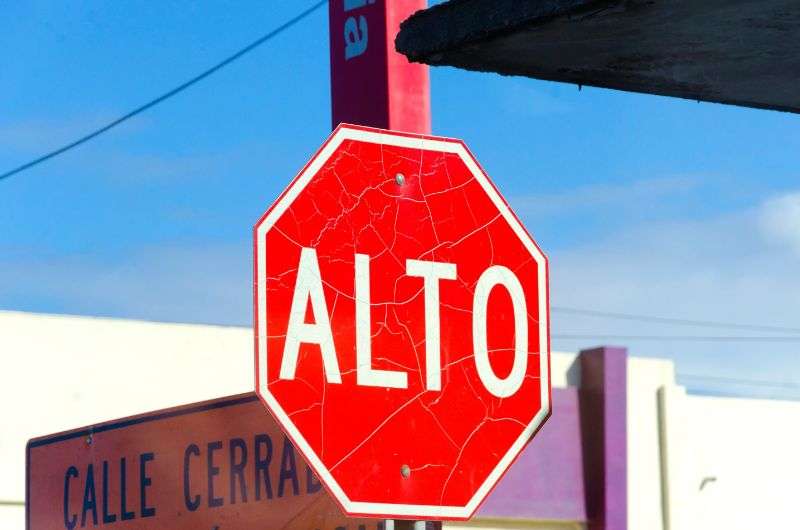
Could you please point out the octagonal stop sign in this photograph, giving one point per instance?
(401, 324)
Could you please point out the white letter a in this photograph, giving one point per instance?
(309, 286)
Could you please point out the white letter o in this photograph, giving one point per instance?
(499, 275)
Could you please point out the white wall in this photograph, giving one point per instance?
(12, 516)
(63, 372)
(645, 377)
(734, 464)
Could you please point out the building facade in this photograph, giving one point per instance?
(626, 446)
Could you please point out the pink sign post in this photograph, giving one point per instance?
(372, 84)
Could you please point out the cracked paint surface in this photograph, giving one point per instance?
(452, 439)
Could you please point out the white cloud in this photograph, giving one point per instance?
(721, 270)
(624, 196)
(780, 220)
(35, 136)
(209, 284)
(125, 168)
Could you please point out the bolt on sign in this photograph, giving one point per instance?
(221, 464)
(401, 324)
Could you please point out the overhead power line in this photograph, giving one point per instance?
(737, 381)
(666, 338)
(674, 321)
(177, 90)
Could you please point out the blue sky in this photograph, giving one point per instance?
(646, 205)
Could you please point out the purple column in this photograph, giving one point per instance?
(603, 405)
(546, 482)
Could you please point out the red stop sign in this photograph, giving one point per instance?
(401, 324)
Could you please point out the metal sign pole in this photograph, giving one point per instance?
(400, 524)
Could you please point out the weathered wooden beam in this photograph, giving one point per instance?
(742, 52)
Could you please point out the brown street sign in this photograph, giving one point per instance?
(221, 464)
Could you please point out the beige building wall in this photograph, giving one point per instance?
(645, 377)
(732, 464)
(63, 372)
(694, 462)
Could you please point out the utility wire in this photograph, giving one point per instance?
(690, 338)
(178, 89)
(571, 310)
(736, 381)
(667, 320)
